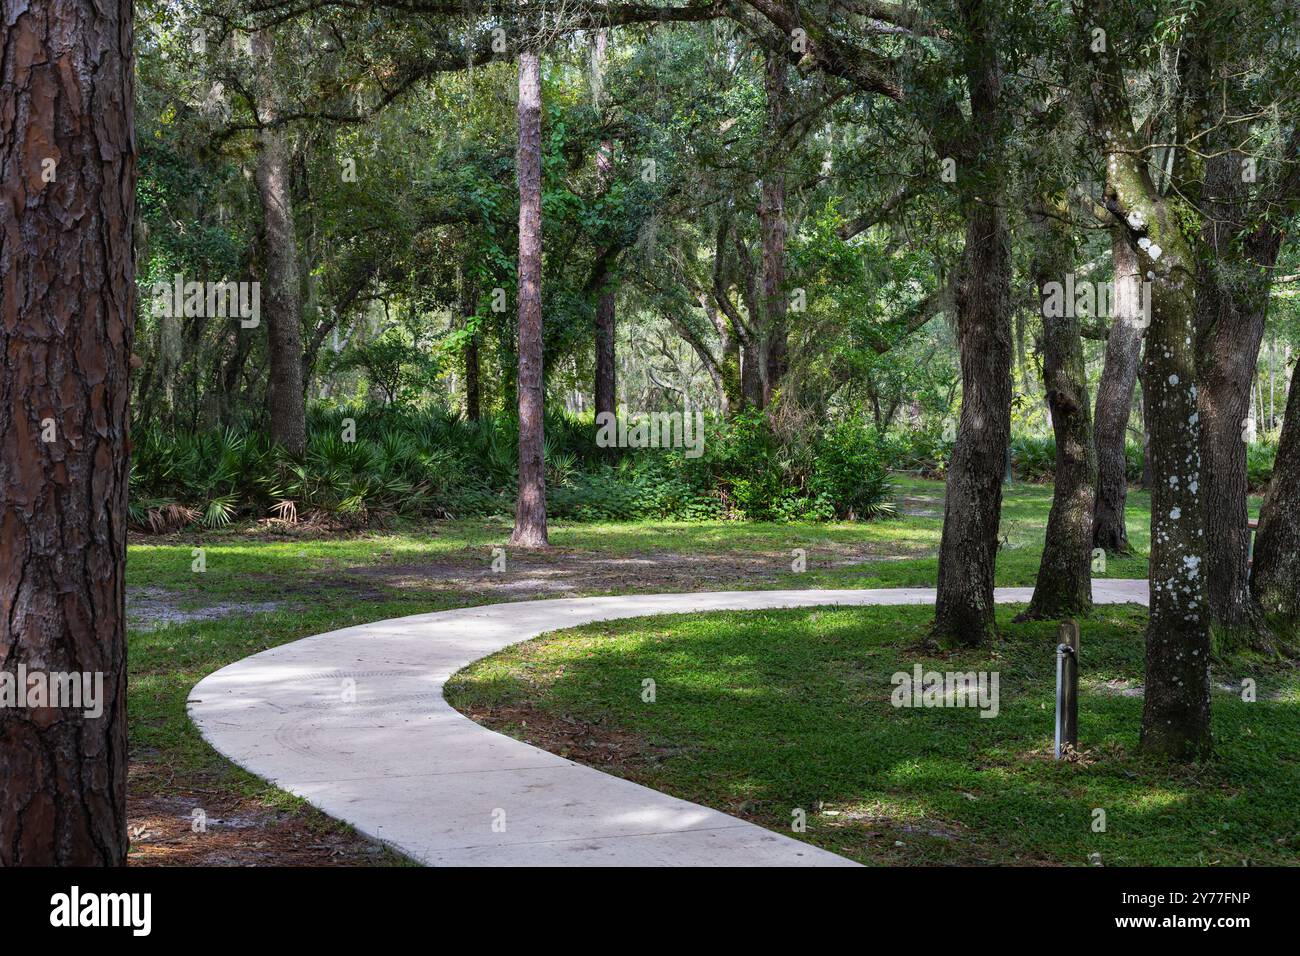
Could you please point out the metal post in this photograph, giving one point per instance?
(1067, 687)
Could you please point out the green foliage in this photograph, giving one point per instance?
(850, 474)
(369, 461)
(1259, 464)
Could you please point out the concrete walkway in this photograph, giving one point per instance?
(354, 722)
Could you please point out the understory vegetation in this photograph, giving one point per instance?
(398, 461)
(370, 461)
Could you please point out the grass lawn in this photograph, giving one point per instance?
(761, 714)
(260, 589)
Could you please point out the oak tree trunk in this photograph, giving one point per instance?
(1176, 703)
(1064, 584)
(1275, 577)
(530, 511)
(964, 610)
(1115, 398)
(67, 273)
(282, 302)
(1232, 304)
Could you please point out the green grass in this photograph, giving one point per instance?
(311, 576)
(247, 567)
(764, 713)
(253, 568)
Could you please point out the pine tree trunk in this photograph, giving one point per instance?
(1064, 584)
(605, 337)
(468, 307)
(530, 511)
(773, 334)
(282, 300)
(1115, 398)
(606, 304)
(67, 270)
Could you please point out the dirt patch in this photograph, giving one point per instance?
(921, 506)
(569, 573)
(190, 824)
(149, 608)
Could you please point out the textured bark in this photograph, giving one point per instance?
(1115, 398)
(606, 303)
(1232, 305)
(282, 295)
(751, 378)
(1176, 704)
(473, 402)
(605, 333)
(1064, 584)
(1275, 579)
(530, 510)
(67, 276)
(773, 334)
(964, 611)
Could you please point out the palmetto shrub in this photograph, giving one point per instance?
(366, 462)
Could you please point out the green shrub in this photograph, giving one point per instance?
(1033, 459)
(850, 476)
(366, 461)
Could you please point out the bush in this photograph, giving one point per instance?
(1033, 459)
(364, 462)
(850, 475)
(1259, 464)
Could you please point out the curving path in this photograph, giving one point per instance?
(354, 722)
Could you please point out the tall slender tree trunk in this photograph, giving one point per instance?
(1064, 584)
(1232, 304)
(773, 333)
(606, 304)
(67, 272)
(1115, 397)
(282, 309)
(468, 307)
(964, 610)
(605, 339)
(530, 511)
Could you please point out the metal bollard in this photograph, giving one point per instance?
(1067, 687)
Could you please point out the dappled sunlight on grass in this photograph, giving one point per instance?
(790, 709)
